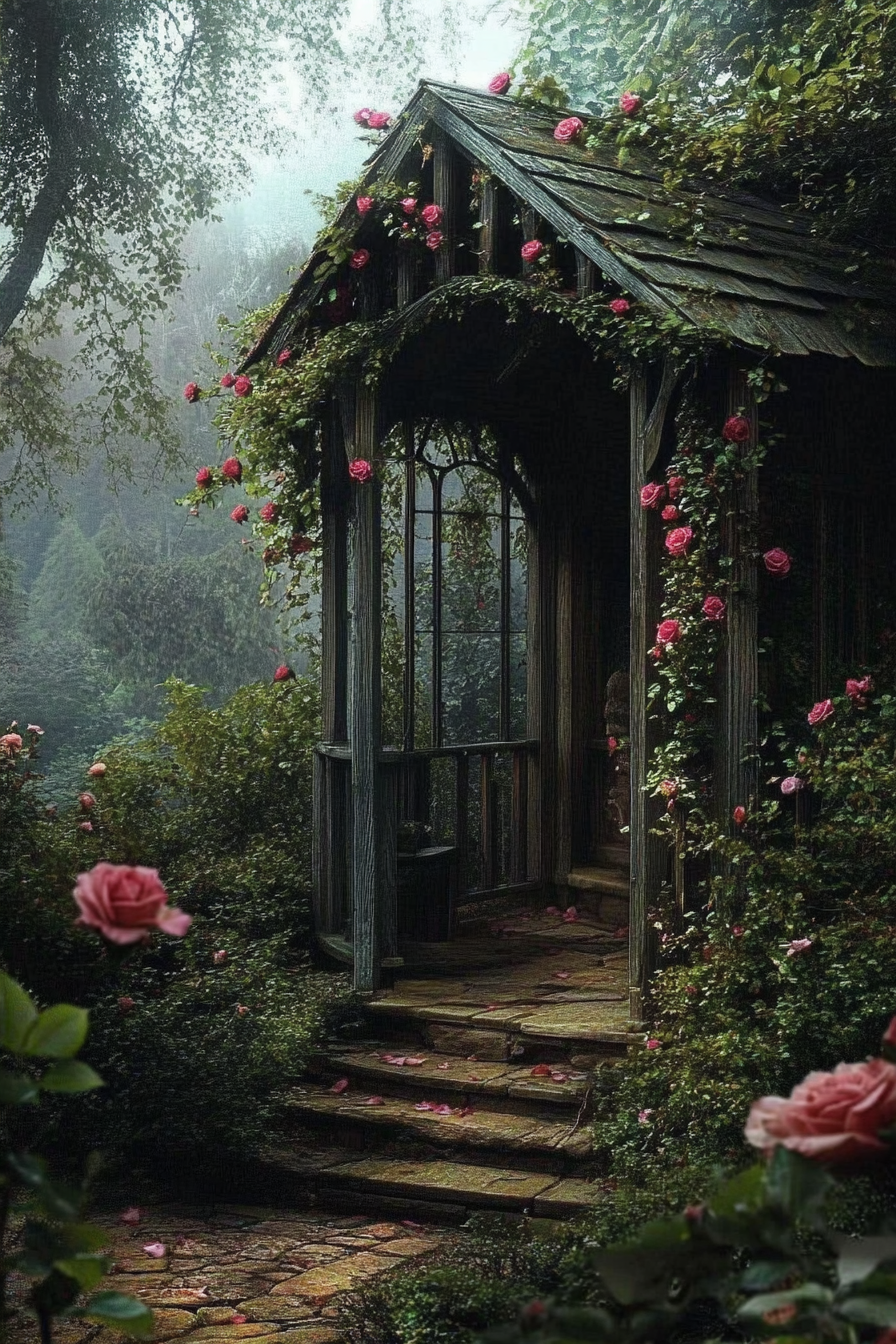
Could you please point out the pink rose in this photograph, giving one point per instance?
(736, 429)
(409, 204)
(652, 494)
(834, 1117)
(434, 240)
(797, 946)
(378, 121)
(131, 1217)
(678, 541)
(241, 1010)
(738, 930)
(740, 815)
(228, 380)
(669, 788)
(653, 1043)
(432, 216)
(157, 1249)
(532, 250)
(792, 784)
(713, 608)
(124, 904)
(857, 689)
(820, 712)
(364, 204)
(268, 512)
(191, 392)
(98, 768)
(239, 514)
(668, 632)
(232, 469)
(568, 129)
(644, 1116)
(86, 826)
(87, 801)
(670, 514)
(243, 386)
(204, 477)
(629, 103)
(675, 486)
(500, 84)
(10, 743)
(220, 957)
(126, 1004)
(283, 358)
(612, 745)
(299, 545)
(777, 561)
(359, 259)
(360, 470)
(362, 116)
(619, 306)
(284, 673)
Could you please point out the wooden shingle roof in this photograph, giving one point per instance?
(757, 273)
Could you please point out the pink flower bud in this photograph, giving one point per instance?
(740, 815)
(204, 477)
(409, 204)
(629, 104)
(268, 512)
(283, 358)
(736, 429)
(87, 801)
(359, 259)
(364, 204)
(284, 673)
(619, 306)
(532, 250)
(228, 379)
(192, 391)
(219, 957)
(500, 83)
(232, 469)
(243, 386)
(98, 768)
(126, 1004)
(239, 514)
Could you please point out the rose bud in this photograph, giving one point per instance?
(568, 129)
(98, 768)
(619, 306)
(87, 801)
(219, 958)
(364, 204)
(629, 104)
(358, 260)
(283, 358)
(740, 815)
(284, 673)
(268, 512)
(228, 380)
(86, 826)
(232, 468)
(239, 514)
(243, 386)
(204, 477)
(532, 250)
(500, 83)
(125, 1004)
(191, 391)
(736, 429)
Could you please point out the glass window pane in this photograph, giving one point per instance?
(470, 687)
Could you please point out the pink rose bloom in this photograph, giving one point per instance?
(124, 904)
(360, 470)
(191, 392)
(833, 1117)
(98, 768)
(204, 477)
(678, 541)
(644, 1116)
(86, 826)
(268, 512)
(792, 784)
(670, 514)
(228, 380)
(500, 84)
(362, 116)
(736, 429)
(612, 745)
(432, 216)
(738, 930)
(669, 788)
(239, 514)
(714, 608)
(629, 104)
(242, 386)
(283, 358)
(378, 121)
(532, 250)
(675, 486)
(797, 946)
(668, 632)
(653, 1044)
(740, 815)
(10, 743)
(232, 469)
(434, 240)
(219, 957)
(857, 689)
(364, 204)
(652, 494)
(619, 306)
(777, 562)
(284, 673)
(87, 801)
(36, 728)
(820, 712)
(358, 260)
(409, 204)
(131, 1217)
(157, 1249)
(568, 129)
(126, 1004)
(299, 545)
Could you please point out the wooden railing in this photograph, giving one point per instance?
(474, 798)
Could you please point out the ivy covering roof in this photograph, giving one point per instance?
(741, 265)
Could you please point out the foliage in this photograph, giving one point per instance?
(55, 1249)
(219, 801)
(737, 1009)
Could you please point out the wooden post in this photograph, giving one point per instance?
(649, 854)
(488, 219)
(563, 642)
(586, 275)
(366, 715)
(334, 491)
(448, 167)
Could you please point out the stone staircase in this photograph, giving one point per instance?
(472, 1091)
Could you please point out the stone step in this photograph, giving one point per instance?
(351, 1114)
(456, 1078)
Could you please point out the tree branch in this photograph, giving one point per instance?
(28, 254)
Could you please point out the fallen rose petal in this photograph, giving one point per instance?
(561, 975)
(396, 1060)
(551, 910)
(409, 1222)
(413, 1061)
(373, 1101)
(443, 1110)
(541, 1071)
(492, 1007)
(340, 1087)
(131, 1216)
(157, 1249)
(472, 1059)
(443, 1066)
(559, 1077)
(238, 1319)
(424, 1106)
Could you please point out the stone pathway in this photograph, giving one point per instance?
(232, 1272)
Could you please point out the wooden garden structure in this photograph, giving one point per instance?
(542, 808)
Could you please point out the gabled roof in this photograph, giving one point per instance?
(757, 273)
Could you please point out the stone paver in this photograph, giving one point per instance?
(231, 1275)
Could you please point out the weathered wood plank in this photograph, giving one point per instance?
(586, 275)
(519, 815)
(565, 708)
(334, 488)
(462, 823)
(488, 820)
(488, 220)
(449, 171)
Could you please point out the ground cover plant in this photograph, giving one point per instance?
(195, 1039)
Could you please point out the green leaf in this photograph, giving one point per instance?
(742, 1192)
(17, 1089)
(58, 1033)
(807, 1295)
(858, 1256)
(123, 1313)
(796, 1184)
(71, 1076)
(86, 1270)
(59, 1201)
(17, 1013)
(880, 1311)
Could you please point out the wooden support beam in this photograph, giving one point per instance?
(586, 275)
(563, 645)
(450, 171)
(335, 498)
(649, 853)
(488, 231)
